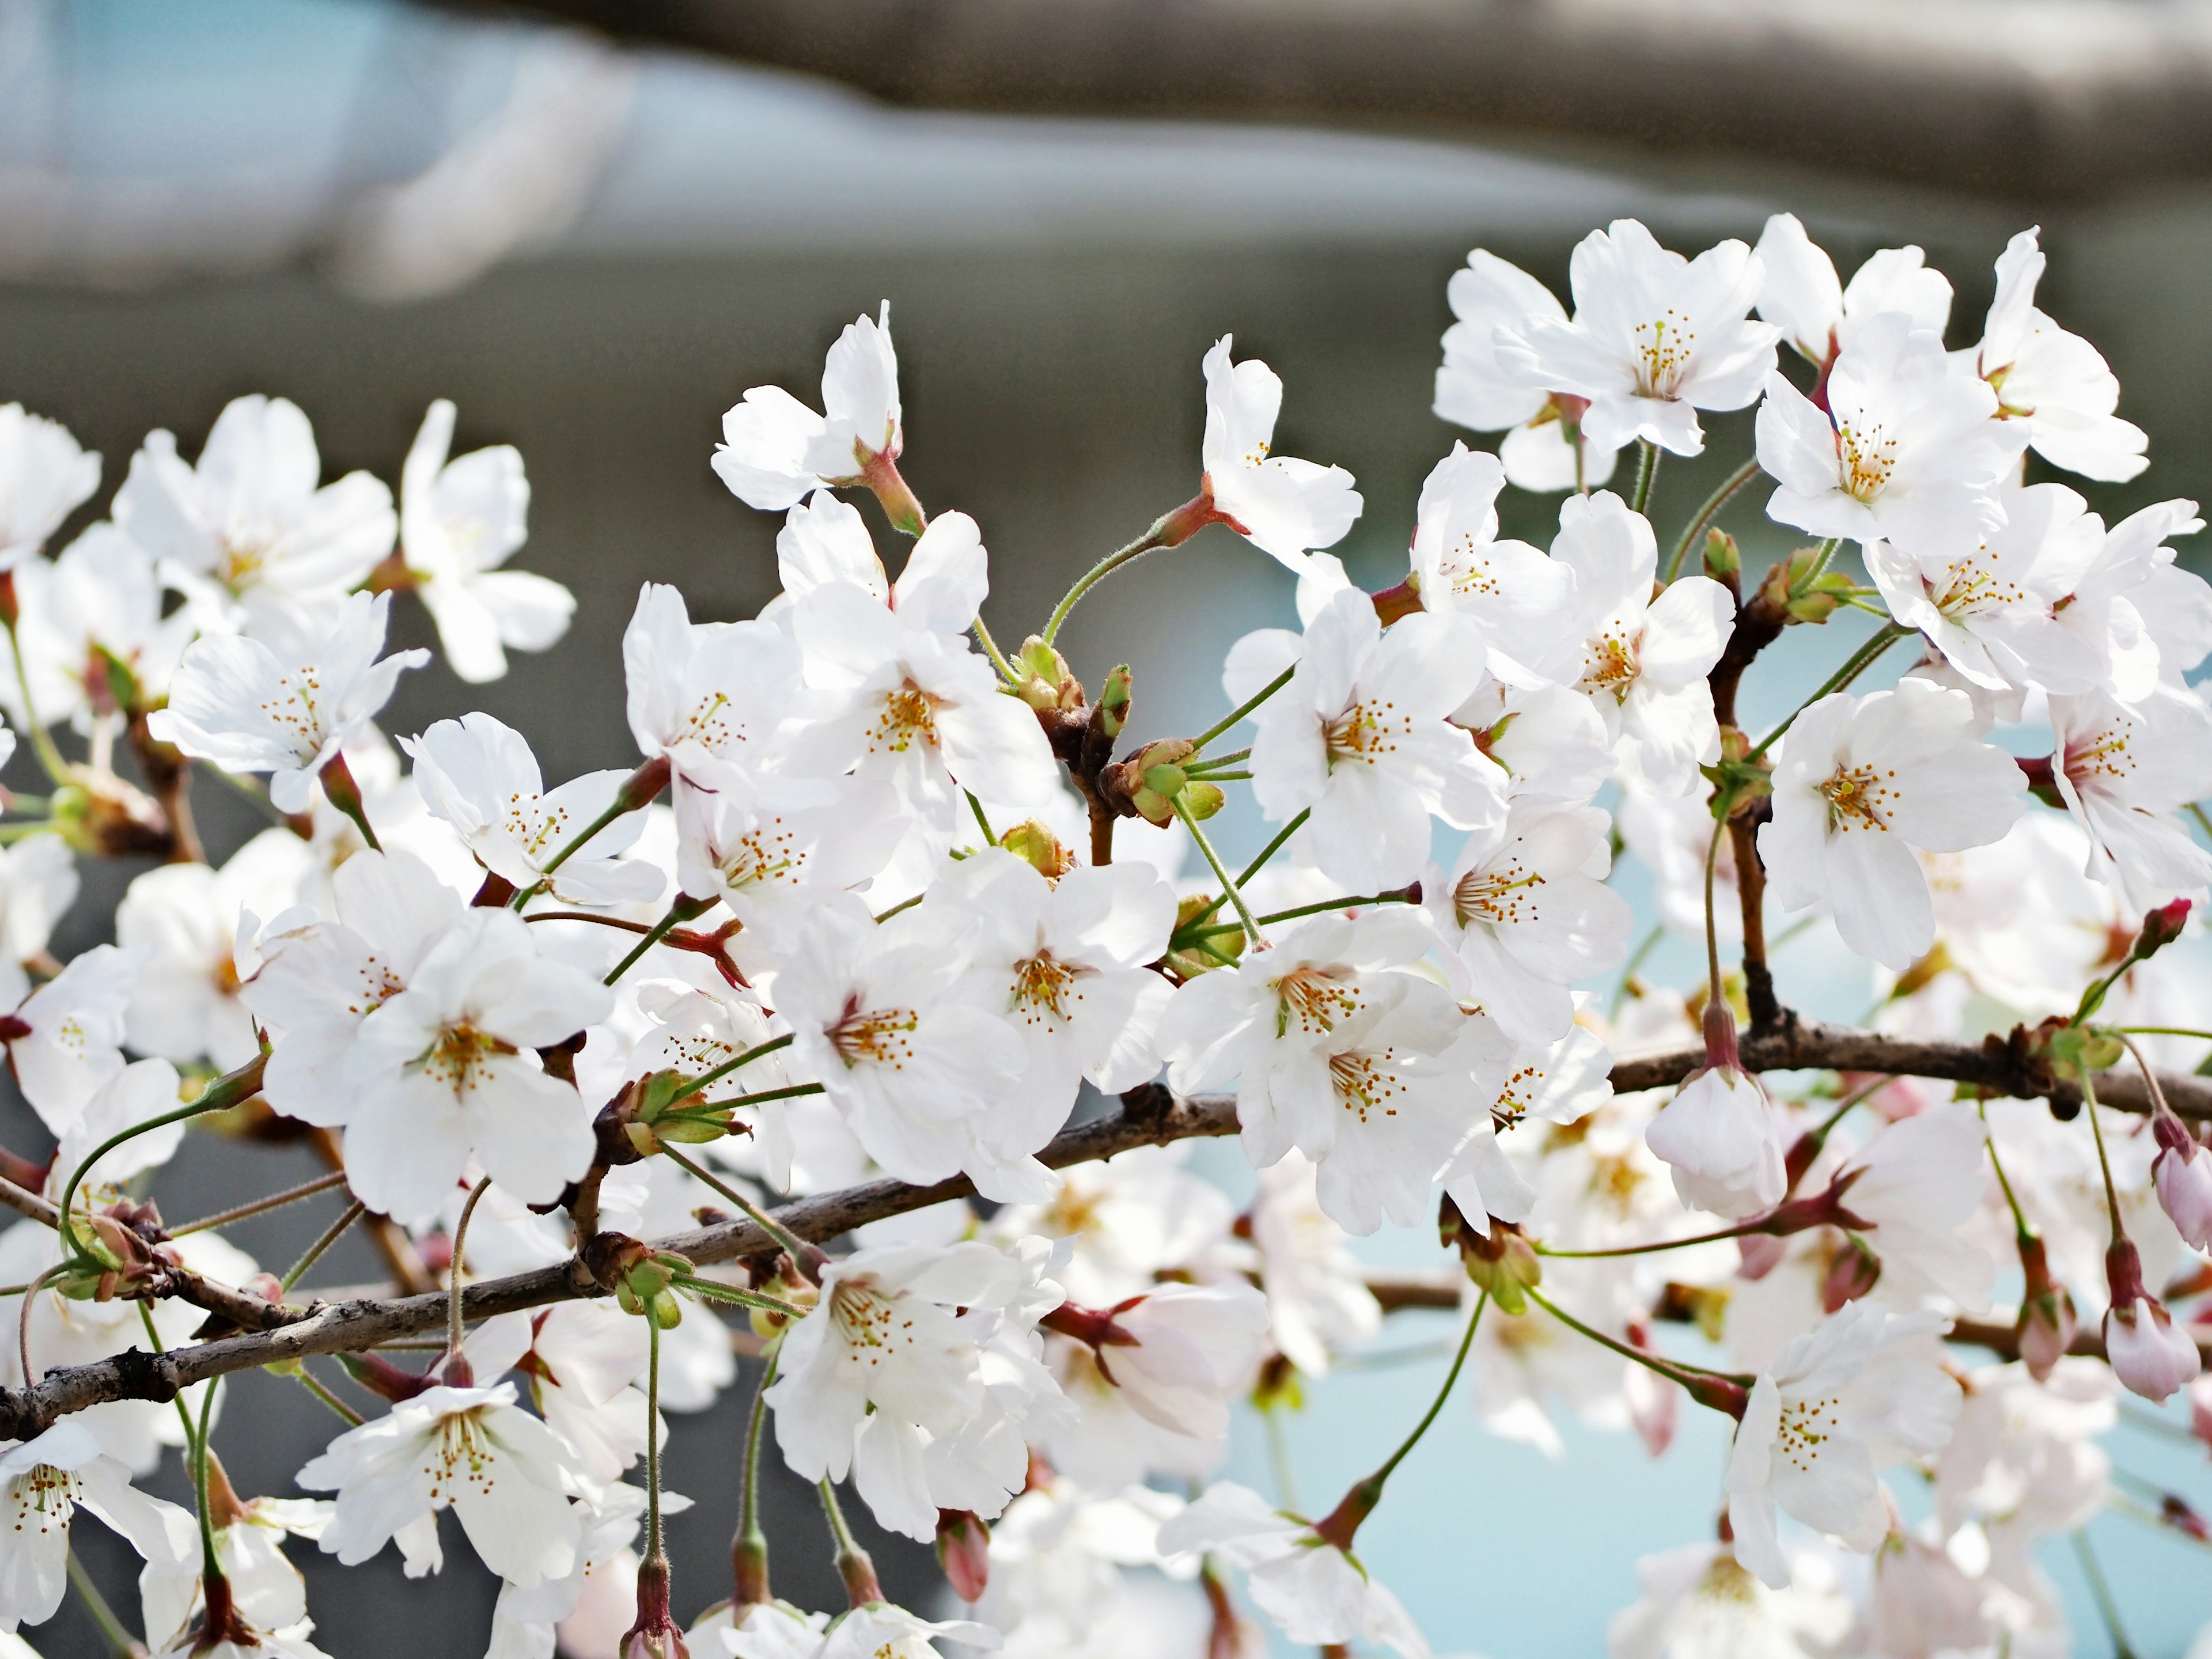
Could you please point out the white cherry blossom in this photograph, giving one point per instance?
(1359, 738)
(249, 529)
(1315, 1592)
(1721, 1139)
(44, 476)
(2054, 384)
(1903, 449)
(479, 775)
(1859, 783)
(708, 697)
(1699, 1603)
(774, 449)
(582, 1359)
(1476, 390)
(1518, 595)
(38, 885)
(459, 520)
(65, 1039)
(320, 977)
(1863, 1391)
(1641, 661)
(1655, 338)
(285, 703)
(43, 1483)
(1818, 316)
(941, 587)
(447, 1072)
(503, 1473)
(2126, 775)
(101, 599)
(1282, 506)
(1524, 913)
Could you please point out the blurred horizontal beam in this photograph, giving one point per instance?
(2039, 99)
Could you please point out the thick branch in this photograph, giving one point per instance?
(1149, 1117)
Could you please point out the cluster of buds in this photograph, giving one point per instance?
(122, 1254)
(1156, 780)
(642, 1279)
(1500, 1260)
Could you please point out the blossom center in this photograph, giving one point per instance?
(292, 710)
(1314, 999)
(1806, 1426)
(1044, 986)
(765, 853)
(871, 1325)
(461, 1055)
(708, 724)
(1501, 897)
(243, 555)
(1971, 587)
(1664, 347)
(464, 1457)
(1609, 662)
(879, 1037)
(1864, 461)
(1515, 1095)
(1365, 733)
(1859, 798)
(908, 717)
(2108, 753)
(43, 1500)
(1365, 1081)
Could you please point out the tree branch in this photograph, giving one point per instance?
(1149, 1117)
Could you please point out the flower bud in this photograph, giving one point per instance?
(2047, 1329)
(2148, 1353)
(2161, 927)
(789, 1285)
(1111, 711)
(1852, 1273)
(1722, 559)
(1046, 682)
(1034, 843)
(655, 1634)
(963, 1550)
(1503, 1263)
(2183, 1174)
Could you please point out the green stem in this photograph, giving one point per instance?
(776, 1229)
(2101, 1592)
(1451, 1376)
(729, 1066)
(1279, 1460)
(752, 1540)
(1351, 900)
(1098, 572)
(2021, 1227)
(1713, 927)
(2104, 1164)
(1236, 897)
(653, 1550)
(300, 1375)
(991, 650)
(330, 1236)
(42, 741)
(1714, 502)
(223, 1093)
(1243, 709)
(210, 1564)
(1745, 1230)
(1275, 846)
(1197, 769)
(2162, 1031)
(1859, 661)
(112, 1629)
(981, 823)
(711, 1111)
(714, 1291)
(677, 912)
(274, 1202)
(1647, 469)
(1644, 947)
(453, 1290)
(1677, 1371)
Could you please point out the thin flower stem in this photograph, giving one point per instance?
(2120, 1504)
(1644, 947)
(23, 1324)
(1098, 572)
(585, 915)
(729, 1066)
(2160, 1030)
(776, 1229)
(1859, 661)
(305, 1380)
(990, 838)
(2104, 1164)
(112, 1629)
(2020, 1226)
(991, 650)
(1238, 713)
(1713, 927)
(2101, 1592)
(210, 1562)
(1350, 901)
(1822, 557)
(197, 1109)
(1236, 897)
(274, 1202)
(716, 1291)
(460, 1243)
(1225, 777)
(1201, 768)
(1647, 469)
(2202, 822)
(1275, 846)
(1451, 1376)
(330, 1236)
(750, 1536)
(576, 843)
(653, 935)
(1280, 1462)
(2150, 1077)
(653, 1550)
(42, 741)
(1747, 1229)
(1674, 1369)
(1714, 502)
(711, 1109)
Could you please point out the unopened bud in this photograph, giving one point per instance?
(1503, 1263)
(1046, 682)
(963, 1550)
(789, 1285)
(2047, 1323)
(2161, 927)
(2183, 1175)
(2149, 1355)
(655, 1635)
(1722, 562)
(1034, 843)
(1111, 711)
(1202, 800)
(1851, 1275)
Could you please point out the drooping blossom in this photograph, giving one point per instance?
(1282, 506)
(774, 449)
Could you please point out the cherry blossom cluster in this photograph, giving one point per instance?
(648, 1071)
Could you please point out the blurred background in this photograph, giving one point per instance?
(593, 226)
